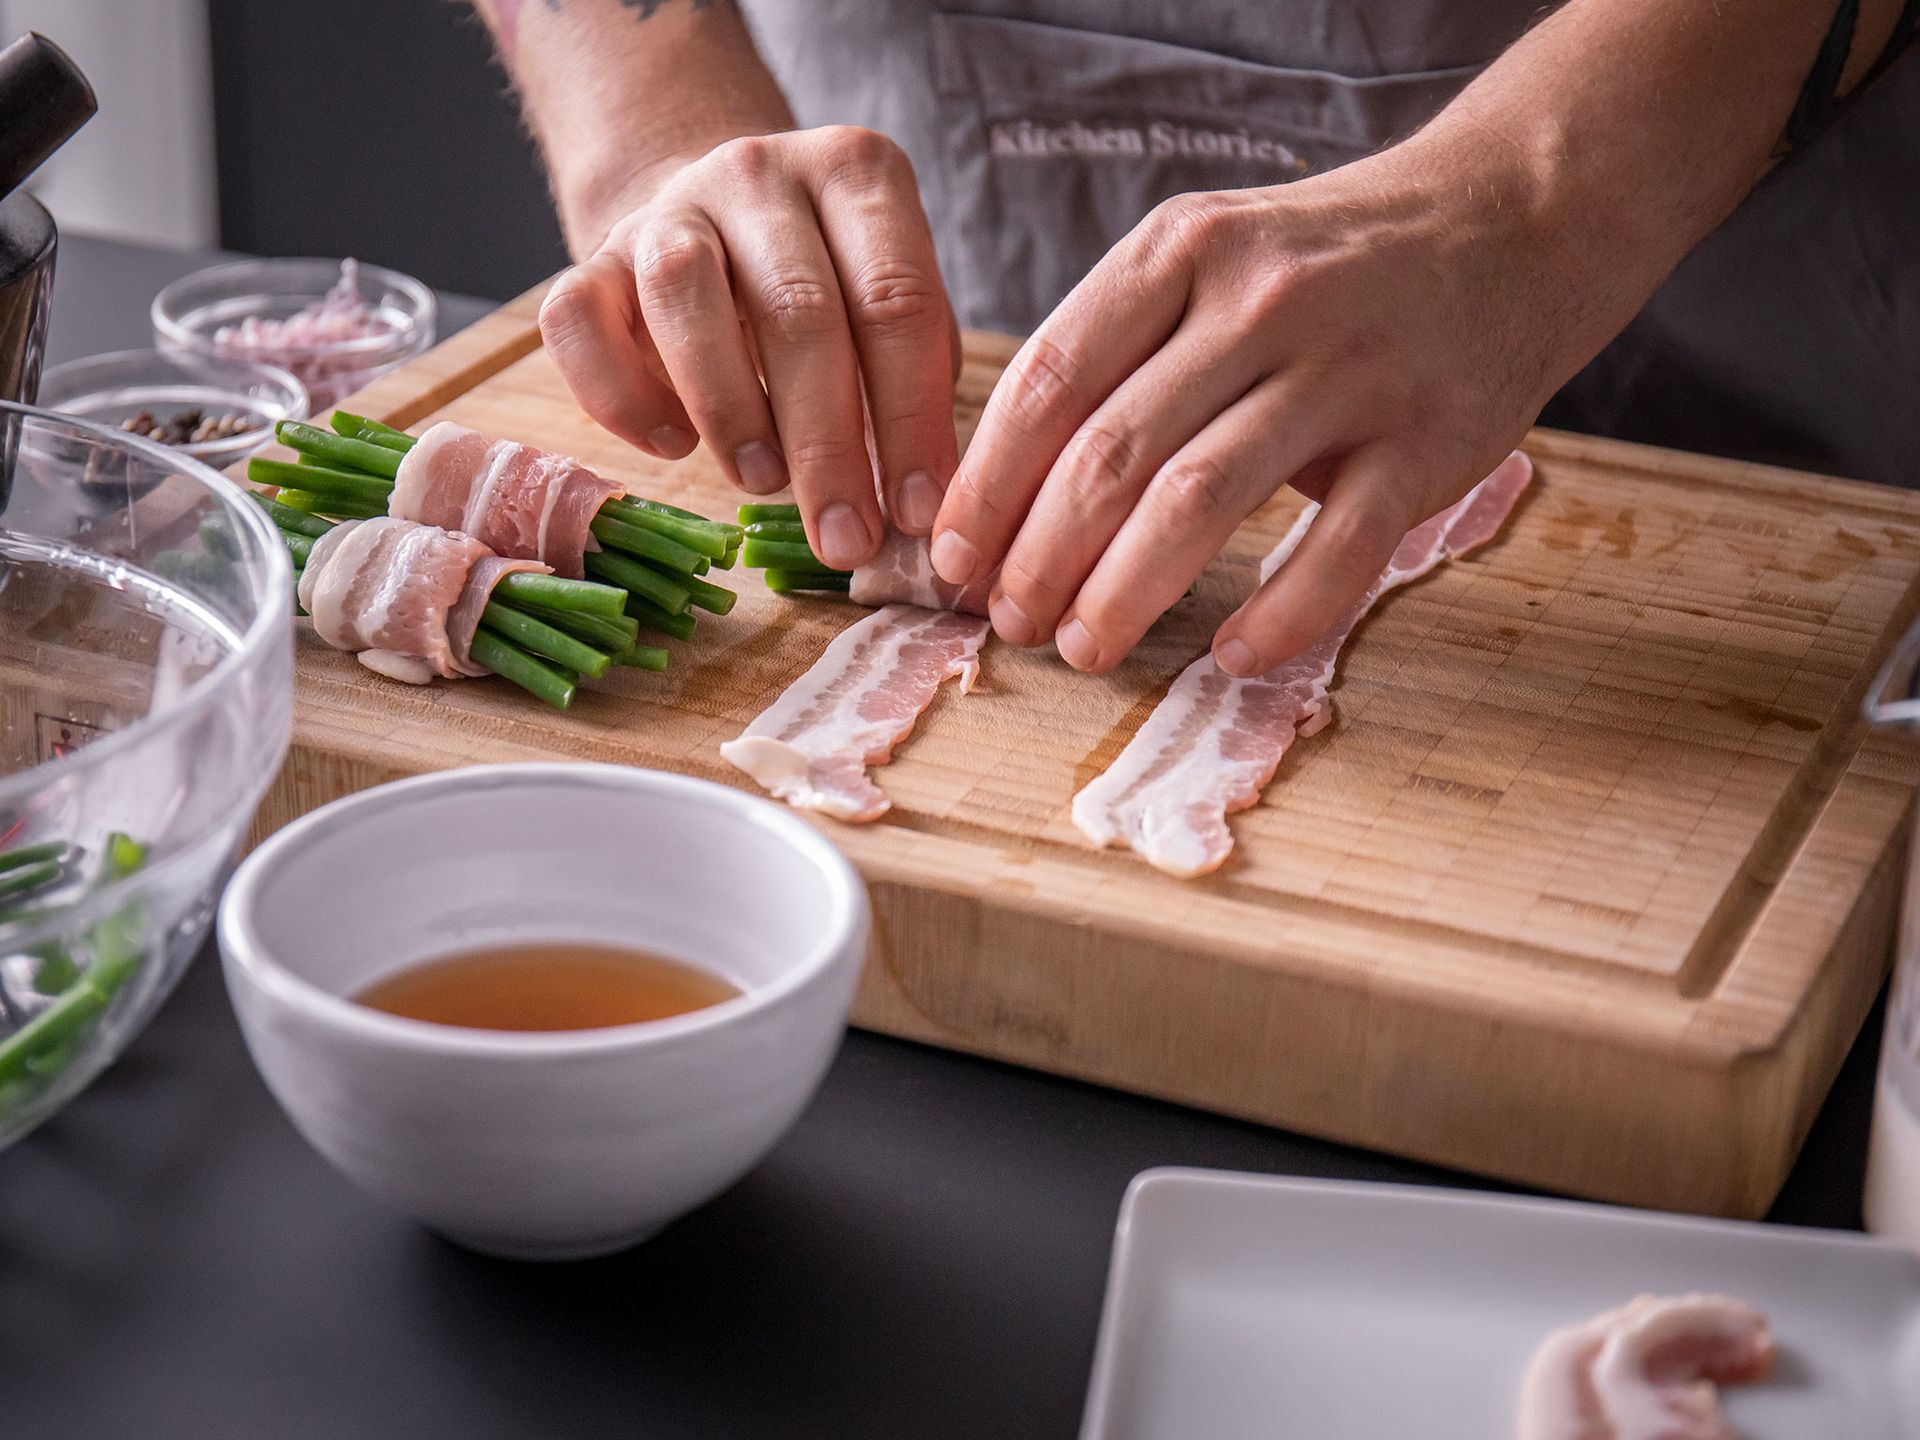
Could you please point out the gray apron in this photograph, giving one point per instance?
(1042, 130)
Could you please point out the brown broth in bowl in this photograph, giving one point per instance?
(548, 986)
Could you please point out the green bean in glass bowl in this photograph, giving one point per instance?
(145, 697)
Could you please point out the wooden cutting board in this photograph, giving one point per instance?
(1589, 887)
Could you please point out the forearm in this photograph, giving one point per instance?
(620, 93)
(1621, 132)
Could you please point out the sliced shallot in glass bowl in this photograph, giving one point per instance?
(335, 325)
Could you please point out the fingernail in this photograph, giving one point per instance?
(1010, 622)
(919, 503)
(762, 471)
(844, 541)
(671, 441)
(1077, 646)
(954, 557)
(1236, 657)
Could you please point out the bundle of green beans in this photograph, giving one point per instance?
(43, 1047)
(774, 540)
(542, 632)
(656, 553)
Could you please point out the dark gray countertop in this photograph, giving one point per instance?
(923, 1257)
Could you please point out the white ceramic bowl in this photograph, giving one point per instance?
(559, 1144)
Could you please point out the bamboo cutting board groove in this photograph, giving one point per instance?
(1589, 887)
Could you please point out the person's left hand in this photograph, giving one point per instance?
(1379, 337)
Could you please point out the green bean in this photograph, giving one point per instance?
(669, 594)
(297, 522)
(510, 662)
(790, 532)
(716, 599)
(784, 582)
(25, 879)
(556, 592)
(33, 854)
(643, 657)
(300, 547)
(539, 638)
(760, 514)
(319, 480)
(611, 634)
(307, 504)
(709, 537)
(358, 427)
(777, 555)
(652, 617)
(326, 448)
(649, 545)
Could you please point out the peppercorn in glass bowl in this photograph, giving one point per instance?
(146, 678)
(335, 325)
(215, 411)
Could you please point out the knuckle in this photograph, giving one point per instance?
(800, 307)
(1195, 485)
(567, 309)
(673, 261)
(829, 457)
(1100, 460)
(1187, 222)
(1031, 583)
(1360, 537)
(1348, 529)
(1274, 288)
(855, 148)
(976, 499)
(894, 295)
(1042, 379)
(748, 157)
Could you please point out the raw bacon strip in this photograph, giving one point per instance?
(405, 598)
(438, 474)
(520, 502)
(1646, 1371)
(1556, 1394)
(903, 573)
(1656, 1374)
(1212, 745)
(463, 620)
(386, 586)
(813, 745)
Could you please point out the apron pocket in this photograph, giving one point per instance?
(1055, 142)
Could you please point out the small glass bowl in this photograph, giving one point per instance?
(189, 314)
(111, 389)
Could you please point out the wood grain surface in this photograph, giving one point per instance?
(1589, 886)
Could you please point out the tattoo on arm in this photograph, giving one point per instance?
(505, 15)
(643, 9)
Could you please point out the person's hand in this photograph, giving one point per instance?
(769, 297)
(1379, 342)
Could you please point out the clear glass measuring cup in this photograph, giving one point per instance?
(1893, 1159)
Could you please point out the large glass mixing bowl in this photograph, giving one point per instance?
(145, 693)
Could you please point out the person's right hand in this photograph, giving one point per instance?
(755, 298)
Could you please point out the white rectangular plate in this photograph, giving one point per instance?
(1241, 1307)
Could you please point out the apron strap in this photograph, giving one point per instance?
(1902, 36)
(1820, 96)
